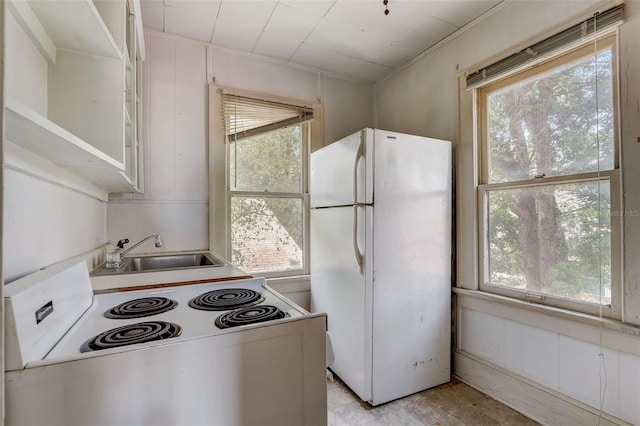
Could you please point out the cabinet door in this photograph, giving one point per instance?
(132, 103)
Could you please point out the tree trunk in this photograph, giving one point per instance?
(525, 202)
(552, 243)
(541, 240)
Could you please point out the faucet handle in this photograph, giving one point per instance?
(122, 242)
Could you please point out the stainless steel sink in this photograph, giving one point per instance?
(160, 263)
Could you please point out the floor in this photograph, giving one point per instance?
(453, 403)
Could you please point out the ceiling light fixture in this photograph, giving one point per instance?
(386, 8)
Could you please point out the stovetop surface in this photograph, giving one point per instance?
(193, 322)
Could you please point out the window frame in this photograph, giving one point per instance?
(608, 40)
(306, 135)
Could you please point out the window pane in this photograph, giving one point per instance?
(266, 234)
(268, 162)
(559, 122)
(552, 239)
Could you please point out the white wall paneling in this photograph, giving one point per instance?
(190, 125)
(162, 116)
(241, 71)
(544, 405)
(630, 388)
(45, 223)
(540, 356)
(2, 47)
(182, 225)
(587, 376)
(347, 106)
(296, 289)
(482, 335)
(549, 357)
(176, 140)
(31, 88)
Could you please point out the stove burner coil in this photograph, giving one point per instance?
(144, 307)
(133, 333)
(250, 315)
(225, 299)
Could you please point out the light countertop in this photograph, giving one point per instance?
(104, 283)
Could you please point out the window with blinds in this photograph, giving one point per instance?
(268, 145)
(246, 117)
(548, 47)
(549, 189)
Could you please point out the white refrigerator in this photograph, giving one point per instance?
(380, 235)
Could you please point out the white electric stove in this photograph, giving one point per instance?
(231, 352)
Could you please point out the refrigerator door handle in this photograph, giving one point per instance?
(359, 153)
(356, 248)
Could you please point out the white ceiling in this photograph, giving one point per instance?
(349, 37)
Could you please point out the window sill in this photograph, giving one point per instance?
(611, 333)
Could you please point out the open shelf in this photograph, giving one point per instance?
(76, 108)
(37, 134)
(77, 26)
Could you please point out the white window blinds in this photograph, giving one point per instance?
(245, 116)
(597, 23)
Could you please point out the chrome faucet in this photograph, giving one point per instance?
(114, 258)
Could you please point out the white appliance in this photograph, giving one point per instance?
(381, 260)
(199, 370)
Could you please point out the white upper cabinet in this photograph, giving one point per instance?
(71, 86)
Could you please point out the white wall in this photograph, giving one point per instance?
(43, 222)
(424, 98)
(175, 76)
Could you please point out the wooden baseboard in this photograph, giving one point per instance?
(545, 406)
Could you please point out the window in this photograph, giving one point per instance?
(268, 145)
(549, 184)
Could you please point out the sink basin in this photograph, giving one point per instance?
(160, 263)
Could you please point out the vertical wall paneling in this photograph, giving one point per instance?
(191, 123)
(482, 335)
(2, 47)
(540, 356)
(629, 367)
(513, 357)
(240, 71)
(182, 225)
(347, 107)
(45, 223)
(581, 370)
(162, 106)
(26, 69)
(587, 376)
